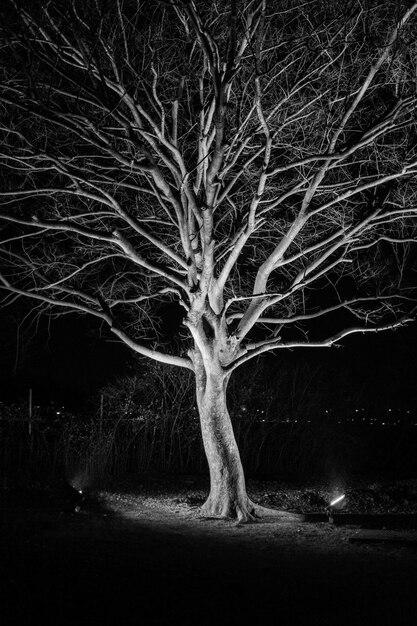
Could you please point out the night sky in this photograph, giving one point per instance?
(68, 359)
(61, 360)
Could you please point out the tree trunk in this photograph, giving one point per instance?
(228, 497)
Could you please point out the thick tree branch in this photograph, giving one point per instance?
(334, 340)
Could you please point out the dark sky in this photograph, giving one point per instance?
(378, 370)
(63, 359)
(67, 360)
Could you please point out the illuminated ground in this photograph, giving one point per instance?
(147, 558)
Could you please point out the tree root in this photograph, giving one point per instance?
(256, 512)
(243, 510)
(247, 512)
(263, 512)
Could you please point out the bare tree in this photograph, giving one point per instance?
(254, 162)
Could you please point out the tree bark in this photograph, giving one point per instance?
(228, 497)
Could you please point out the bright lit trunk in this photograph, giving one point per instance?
(227, 496)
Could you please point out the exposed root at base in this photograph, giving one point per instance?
(256, 512)
(285, 516)
(247, 513)
(243, 511)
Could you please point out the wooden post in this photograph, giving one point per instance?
(30, 413)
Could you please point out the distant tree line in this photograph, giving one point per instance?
(147, 424)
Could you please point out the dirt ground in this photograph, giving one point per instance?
(144, 556)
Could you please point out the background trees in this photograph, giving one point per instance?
(255, 166)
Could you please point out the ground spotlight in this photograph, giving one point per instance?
(334, 504)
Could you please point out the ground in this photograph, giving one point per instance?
(143, 555)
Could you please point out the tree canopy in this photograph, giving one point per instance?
(252, 162)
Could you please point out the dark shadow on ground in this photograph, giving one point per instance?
(363, 520)
(146, 564)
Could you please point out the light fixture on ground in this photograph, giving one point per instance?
(335, 504)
